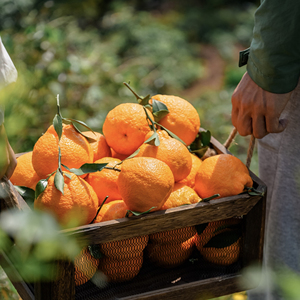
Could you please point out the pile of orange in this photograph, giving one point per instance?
(149, 167)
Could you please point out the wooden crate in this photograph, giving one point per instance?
(207, 283)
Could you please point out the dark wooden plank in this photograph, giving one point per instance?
(173, 218)
(62, 288)
(13, 275)
(200, 290)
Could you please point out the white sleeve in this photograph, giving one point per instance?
(8, 72)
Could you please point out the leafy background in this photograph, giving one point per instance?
(85, 50)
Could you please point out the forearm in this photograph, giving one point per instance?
(274, 59)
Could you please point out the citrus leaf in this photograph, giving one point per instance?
(210, 198)
(196, 144)
(27, 194)
(144, 100)
(135, 213)
(68, 175)
(224, 239)
(86, 168)
(201, 151)
(159, 110)
(59, 181)
(205, 137)
(253, 192)
(58, 126)
(201, 227)
(153, 140)
(95, 251)
(171, 133)
(74, 122)
(40, 187)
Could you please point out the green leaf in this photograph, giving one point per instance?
(68, 175)
(153, 140)
(159, 110)
(144, 100)
(40, 187)
(210, 198)
(27, 194)
(135, 213)
(59, 181)
(205, 137)
(74, 122)
(171, 133)
(253, 192)
(224, 239)
(201, 227)
(58, 126)
(86, 168)
(201, 151)
(95, 251)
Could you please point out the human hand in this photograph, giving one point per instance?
(256, 111)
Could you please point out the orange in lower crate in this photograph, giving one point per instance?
(98, 145)
(24, 174)
(171, 248)
(222, 174)
(78, 204)
(85, 266)
(145, 183)
(226, 234)
(104, 182)
(122, 259)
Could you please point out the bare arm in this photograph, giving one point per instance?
(256, 111)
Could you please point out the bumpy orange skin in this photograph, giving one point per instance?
(113, 210)
(144, 183)
(104, 182)
(99, 146)
(181, 195)
(75, 151)
(222, 174)
(182, 119)
(85, 266)
(190, 179)
(173, 153)
(79, 201)
(125, 127)
(24, 174)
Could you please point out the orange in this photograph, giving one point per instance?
(190, 179)
(122, 259)
(125, 127)
(172, 247)
(222, 174)
(173, 153)
(75, 151)
(181, 195)
(182, 119)
(99, 146)
(78, 203)
(115, 209)
(118, 155)
(145, 183)
(85, 266)
(104, 182)
(221, 256)
(24, 174)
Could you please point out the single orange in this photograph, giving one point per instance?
(125, 127)
(85, 266)
(222, 174)
(145, 183)
(173, 153)
(190, 179)
(75, 151)
(182, 119)
(99, 145)
(118, 155)
(24, 174)
(181, 195)
(115, 209)
(104, 182)
(79, 203)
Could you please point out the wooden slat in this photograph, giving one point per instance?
(165, 220)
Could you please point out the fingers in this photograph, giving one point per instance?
(259, 126)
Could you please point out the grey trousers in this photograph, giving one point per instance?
(279, 168)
